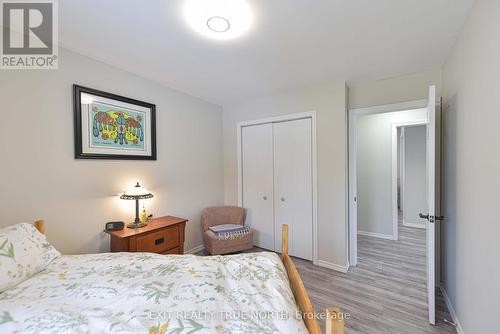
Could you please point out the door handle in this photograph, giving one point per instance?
(431, 219)
(421, 215)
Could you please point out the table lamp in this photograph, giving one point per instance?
(136, 193)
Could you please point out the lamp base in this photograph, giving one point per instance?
(136, 225)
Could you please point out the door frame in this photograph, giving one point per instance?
(395, 163)
(314, 150)
(352, 175)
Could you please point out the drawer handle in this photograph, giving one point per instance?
(159, 241)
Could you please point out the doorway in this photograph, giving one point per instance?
(411, 175)
(373, 186)
(373, 170)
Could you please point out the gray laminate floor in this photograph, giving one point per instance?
(385, 293)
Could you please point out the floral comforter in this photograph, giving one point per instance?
(150, 293)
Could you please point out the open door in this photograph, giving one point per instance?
(431, 197)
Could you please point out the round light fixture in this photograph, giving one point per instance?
(218, 19)
(218, 24)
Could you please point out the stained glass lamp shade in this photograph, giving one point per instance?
(136, 193)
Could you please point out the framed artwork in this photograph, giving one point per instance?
(108, 126)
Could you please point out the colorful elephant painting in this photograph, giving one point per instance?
(117, 126)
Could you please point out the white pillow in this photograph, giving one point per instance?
(24, 251)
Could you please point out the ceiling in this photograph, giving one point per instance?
(292, 42)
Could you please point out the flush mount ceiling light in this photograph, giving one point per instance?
(218, 19)
(218, 24)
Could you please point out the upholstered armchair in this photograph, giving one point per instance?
(219, 216)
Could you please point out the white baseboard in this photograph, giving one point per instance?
(416, 225)
(333, 266)
(453, 314)
(195, 250)
(377, 235)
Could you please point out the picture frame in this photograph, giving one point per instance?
(113, 127)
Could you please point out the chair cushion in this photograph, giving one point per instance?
(224, 228)
(24, 251)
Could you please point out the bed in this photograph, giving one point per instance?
(151, 293)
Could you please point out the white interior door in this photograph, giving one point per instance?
(431, 189)
(293, 200)
(257, 182)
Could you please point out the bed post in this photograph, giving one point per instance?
(284, 239)
(334, 321)
(40, 225)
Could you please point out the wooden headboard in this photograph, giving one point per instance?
(40, 225)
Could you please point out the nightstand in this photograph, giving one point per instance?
(163, 235)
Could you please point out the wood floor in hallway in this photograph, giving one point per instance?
(385, 293)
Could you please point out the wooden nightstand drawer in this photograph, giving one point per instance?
(158, 242)
(164, 235)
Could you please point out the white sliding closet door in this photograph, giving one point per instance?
(257, 172)
(293, 200)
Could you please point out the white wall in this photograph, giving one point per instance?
(329, 100)
(394, 90)
(374, 168)
(41, 178)
(471, 247)
(415, 175)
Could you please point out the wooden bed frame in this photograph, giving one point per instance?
(334, 316)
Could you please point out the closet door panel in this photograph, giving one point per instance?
(257, 172)
(293, 185)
